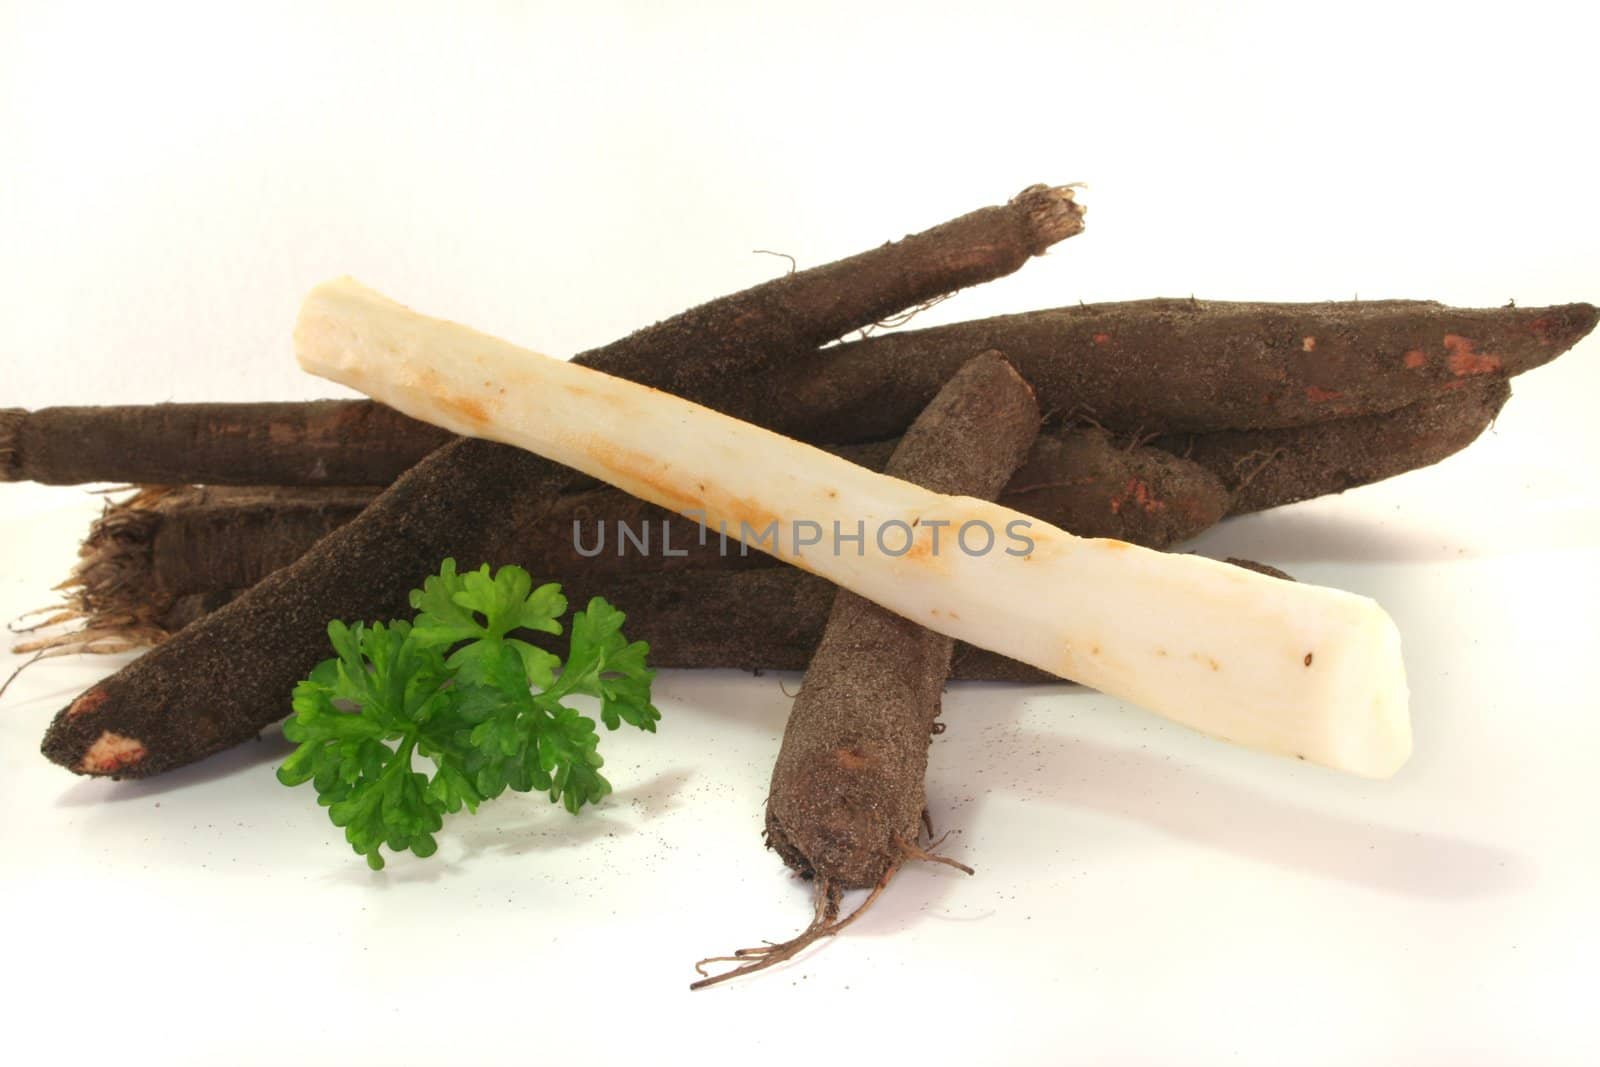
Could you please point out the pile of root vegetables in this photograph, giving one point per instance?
(1144, 422)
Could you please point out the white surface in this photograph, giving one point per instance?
(172, 182)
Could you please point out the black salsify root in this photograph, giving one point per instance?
(825, 921)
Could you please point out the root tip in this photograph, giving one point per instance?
(1585, 317)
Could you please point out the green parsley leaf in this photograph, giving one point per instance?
(605, 664)
(454, 687)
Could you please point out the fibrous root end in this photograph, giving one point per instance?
(1053, 213)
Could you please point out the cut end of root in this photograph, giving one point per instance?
(111, 753)
(11, 420)
(75, 740)
(1053, 214)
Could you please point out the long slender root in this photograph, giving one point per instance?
(824, 923)
(55, 613)
(931, 854)
(98, 641)
(24, 665)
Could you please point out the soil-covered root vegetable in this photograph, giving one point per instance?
(1093, 485)
(167, 708)
(847, 801)
(161, 545)
(1139, 367)
(155, 562)
(1179, 366)
(159, 560)
(1298, 670)
(318, 442)
(1269, 468)
(756, 619)
(126, 595)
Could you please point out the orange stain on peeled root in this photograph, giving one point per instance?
(466, 407)
(1464, 358)
(1415, 359)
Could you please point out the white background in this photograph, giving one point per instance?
(172, 181)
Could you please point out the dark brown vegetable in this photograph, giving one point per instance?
(1268, 468)
(1148, 366)
(224, 678)
(1180, 366)
(129, 595)
(318, 442)
(146, 555)
(847, 800)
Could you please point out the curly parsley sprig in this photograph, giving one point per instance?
(455, 687)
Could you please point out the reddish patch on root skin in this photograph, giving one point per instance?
(87, 703)
(1318, 395)
(1540, 328)
(1308, 344)
(1139, 494)
(850, 761)
(1415, 359)
(1101, 338)
(111, 753)
(1465, 359)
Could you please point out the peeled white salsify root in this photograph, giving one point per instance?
(1284, 667)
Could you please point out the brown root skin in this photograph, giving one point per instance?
(847, 786)
(1179, 366)
(1269, 468)
(319, 442)
(159, 560)
(1260, 568)
(11, 422)
(228, 675)
(159, 546)
(1092, 485)
(1140, 367)
(767, 619)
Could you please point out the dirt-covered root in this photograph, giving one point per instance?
(1270, 468)
(168, 709)
(317, 442)
(1188, 366)
(848, 780)
(150, 554)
